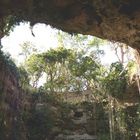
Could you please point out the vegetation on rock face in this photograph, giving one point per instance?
(39, 123)
(6, 61)
(116, 79)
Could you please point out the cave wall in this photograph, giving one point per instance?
(108, 19)
(10, 104)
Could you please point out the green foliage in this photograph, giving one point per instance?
(84, 66)
(35, 68)
(9, 63)
(59, 55)
(115, 82)
(131, 121)
(103, 137)
(39, 123)
(79, 41)
(34, 64)
(23, 77)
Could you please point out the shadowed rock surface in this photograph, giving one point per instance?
(107, 19)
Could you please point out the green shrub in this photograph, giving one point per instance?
(39, 123)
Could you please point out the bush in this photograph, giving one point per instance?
(39, 123)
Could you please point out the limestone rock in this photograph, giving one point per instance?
(116, 20)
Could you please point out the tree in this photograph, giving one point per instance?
(35, 67)
(27, 49)
(56, 68)
(23, 78)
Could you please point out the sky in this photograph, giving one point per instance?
(45, 38)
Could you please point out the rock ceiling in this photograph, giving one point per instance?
(116, 20)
